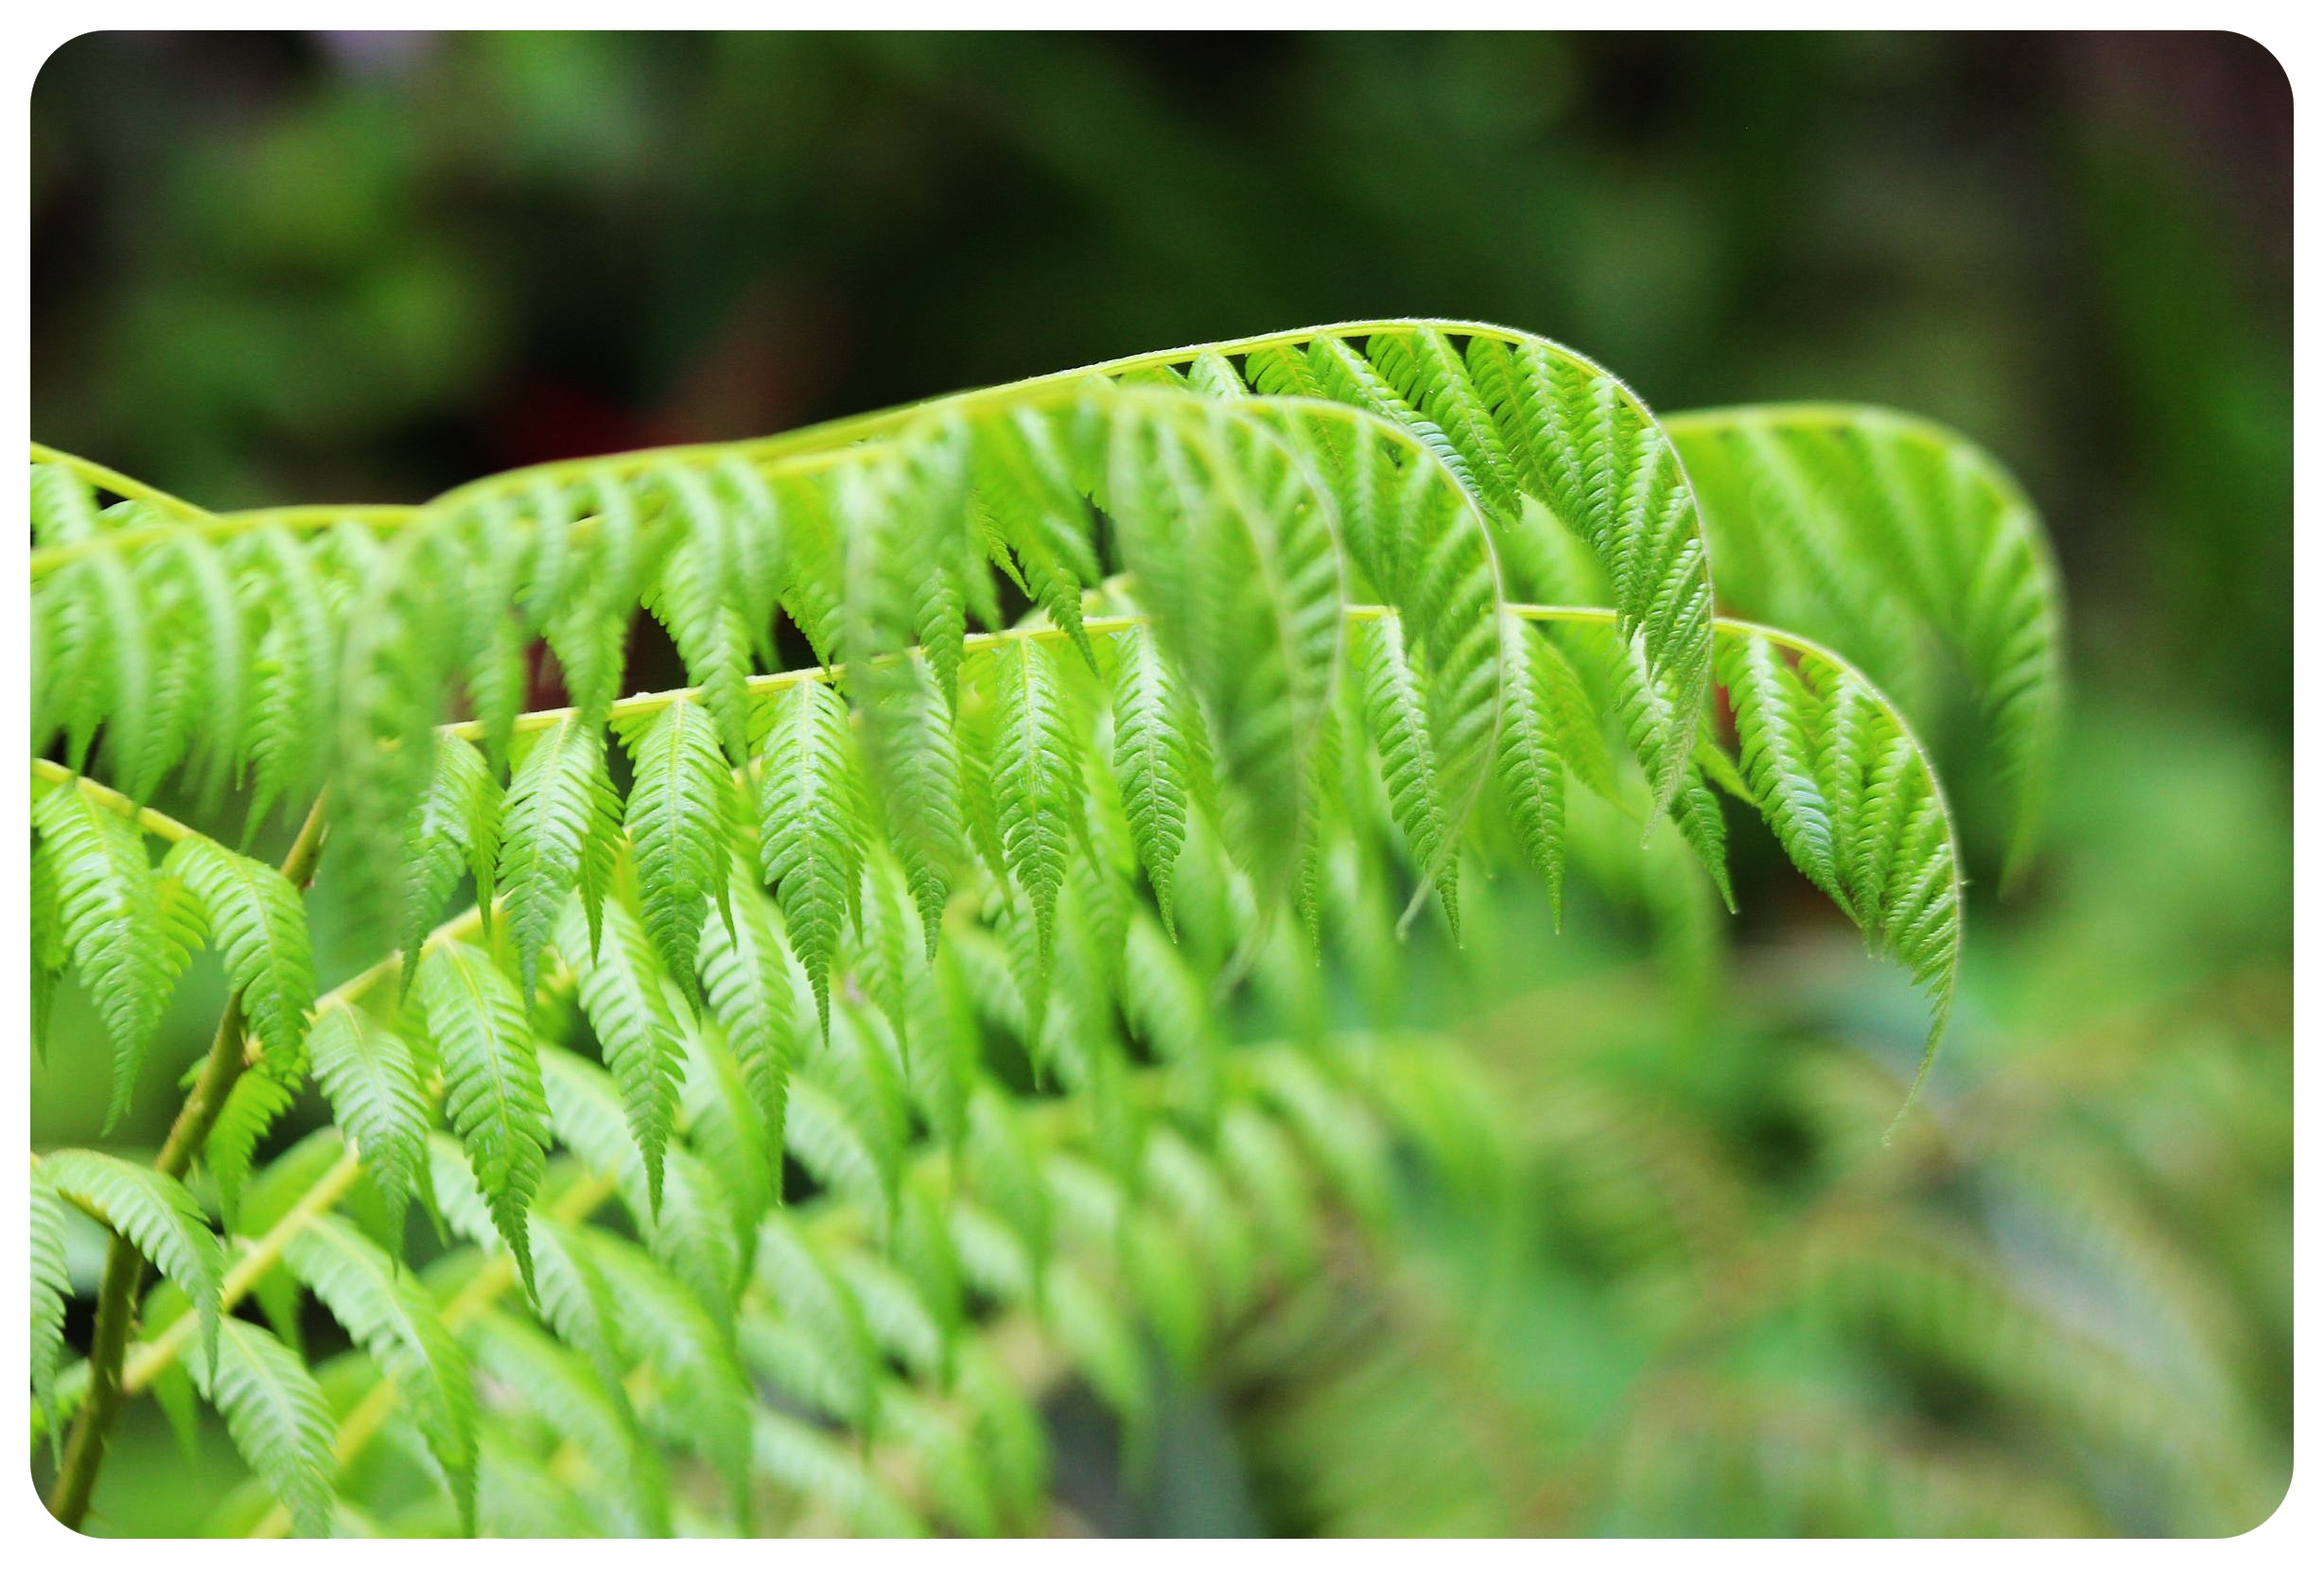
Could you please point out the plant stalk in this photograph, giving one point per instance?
(125, 1267)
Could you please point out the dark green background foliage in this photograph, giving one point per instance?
(369, 267)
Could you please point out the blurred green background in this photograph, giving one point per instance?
(366, 266)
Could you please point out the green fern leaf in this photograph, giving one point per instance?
(373, 1082)
(224, 657)
(113, 603)
(1877, 534)
(258, 1100)
(749, 984)
(1700, 823)
(707, 1400)
(403, 642)
(1154, 725)
(810, 819)
(1423, 544)
(682, 820)
(915, 757)
(127, 931)
(1772, 723)
(1887, 855)
(559, 832)
(577, 1302)
(456, 827)
(1232, 546)
(277, 1417)
(1002, 1167)
(692, 1226)
(51, 1287)
(1023, 479)
(827, 1355)
(798, 1457)
(860, 1072)
(1434, 378)
(558, 1386)
(157, 1215)
(943, 1446)
(894, 1313)
(622, 992)
(693, 598)
(295, 675)
(49, 956)
(63, 507)
(492, 1082)
(755, 548)
(590, 633)
(258, 924)
(389, 1314)
(727, 1127)
(1035, 787)
(1532, 765)
(1399, 725)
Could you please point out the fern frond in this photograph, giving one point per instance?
(1246, 593)
(913, 751)
(1284, 567)
(681, 818)
(621, 990)
(277, 1417)
(799, 1458)
(749, 985)
(492, 1082)
(559, 1386)
(391, 1315)
(1156, 730)
(1879, 534)
(127, 930)
(559, 829)
(258, 925)
(1535, 745)
(1850, 795)
(295, 673)
(1770, 726)
(706, 1404)
(157, 1217)
(371, 1079)
(811, 818)
(258, 1100)
(1036, 791)
(52, 1285)
(694, 597)
(820, 1350)
(456, 827)
(1398, 722)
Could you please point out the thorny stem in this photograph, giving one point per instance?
(125, 1267)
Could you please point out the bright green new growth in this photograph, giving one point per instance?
(1278, 633)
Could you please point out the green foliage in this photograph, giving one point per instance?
(1318, 625)
(278, 1417)
(50, 1286)
(391, 1316)
(492, 1080)
(1892, 540)
(122, 926)
(155, 1215)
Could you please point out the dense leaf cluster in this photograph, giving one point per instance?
(1133, 692)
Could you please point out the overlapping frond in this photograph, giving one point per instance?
(125, 928)
(492, 1080)
(156, 1214)
(1115, 669)
(1891, 538)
